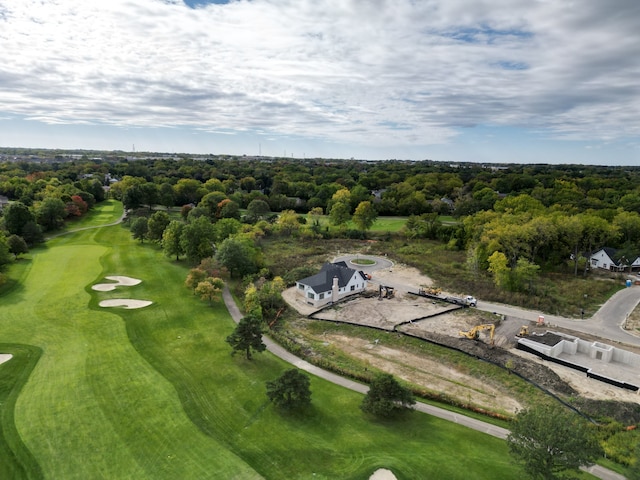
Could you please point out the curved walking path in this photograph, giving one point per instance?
(117, 222)
(479, 425)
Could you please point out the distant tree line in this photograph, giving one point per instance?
(396, 187)
(512, 220)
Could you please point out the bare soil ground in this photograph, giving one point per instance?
(442, 322)
(428, 373)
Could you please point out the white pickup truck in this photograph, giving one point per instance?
(469, 300)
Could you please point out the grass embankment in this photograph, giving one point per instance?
(153, 393)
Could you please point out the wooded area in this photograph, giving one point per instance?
(513, 221)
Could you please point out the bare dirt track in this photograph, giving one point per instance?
(442, 323)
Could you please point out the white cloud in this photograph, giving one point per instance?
(402, 72)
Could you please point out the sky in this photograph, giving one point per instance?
(500, 81)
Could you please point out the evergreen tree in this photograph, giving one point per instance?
(247, 336)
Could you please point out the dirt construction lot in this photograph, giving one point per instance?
(432, 319)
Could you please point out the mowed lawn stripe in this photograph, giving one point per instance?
(93, 408)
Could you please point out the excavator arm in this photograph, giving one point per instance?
(474, 333)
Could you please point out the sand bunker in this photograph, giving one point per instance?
(5, 357)
(120, 282)
(125, 303)
(383, 474)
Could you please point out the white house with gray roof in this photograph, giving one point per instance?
(611, 259)
(334, 282)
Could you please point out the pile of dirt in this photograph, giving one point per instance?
(627, 413)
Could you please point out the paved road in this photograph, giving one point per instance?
(608, 322)
(596, 470)
(381, 263)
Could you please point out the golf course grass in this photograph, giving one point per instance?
(153, 393)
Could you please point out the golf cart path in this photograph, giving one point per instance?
(112, 224)
(493, 430)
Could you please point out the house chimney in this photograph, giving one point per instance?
(334, 290)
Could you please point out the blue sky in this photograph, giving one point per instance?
(526, 81)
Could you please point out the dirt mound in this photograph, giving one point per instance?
(627, 413)
(536, 373)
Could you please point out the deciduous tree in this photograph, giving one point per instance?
(197, 239)
(51, 213)
(499, 266)
(166, 196)
(156, 225)
(257, 210)
(209, 288)
(16, 216)
(133, 197)
(339, 213)
(266, 299)
(226, 227)
(550, 440)
(32, 233)
(188, 190)
(524, 275)
(171, 243)
(365, 215)
(195, 276)
(288, 223)
(386, 397)
(5, 255)
(239, 256)
(211, 201)
(139, 228)
(291, 390)
(17, 245)
(227, 208)
(252, 301)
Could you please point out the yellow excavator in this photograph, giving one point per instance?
(474, 333)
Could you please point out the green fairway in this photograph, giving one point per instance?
(382, 224)
(388, 224)
(154, 393)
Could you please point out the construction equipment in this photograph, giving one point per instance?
(431, 291)
(474, 333)
(385, 292)
(524, 331)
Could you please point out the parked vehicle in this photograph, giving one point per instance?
(468, 301)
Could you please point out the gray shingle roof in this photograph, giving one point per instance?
(323, 281)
